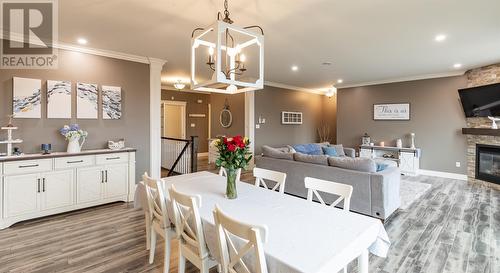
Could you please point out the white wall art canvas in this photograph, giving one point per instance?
(86, 100)
(27, 98)
(111, 102)
(58, 99)
(391, 111)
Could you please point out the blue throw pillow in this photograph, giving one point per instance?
(381, 166)
(309, 149)
(330, 151)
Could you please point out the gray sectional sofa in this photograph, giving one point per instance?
(375, 193)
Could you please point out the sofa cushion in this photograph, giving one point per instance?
(313, 159)
(357, 163)
(330, 151)
(339, 148)
(276, 153)
(309, 149)
(381, 166)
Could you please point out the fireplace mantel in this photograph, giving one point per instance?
(481, 131)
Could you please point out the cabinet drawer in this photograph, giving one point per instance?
(74, 161)
(27, 166)
(111, 158)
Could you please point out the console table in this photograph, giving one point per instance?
(37, 185)
(408, 159)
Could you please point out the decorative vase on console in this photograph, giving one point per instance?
(412, 138)
(74, 135)
(234, 155)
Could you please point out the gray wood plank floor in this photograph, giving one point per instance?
(453, 228)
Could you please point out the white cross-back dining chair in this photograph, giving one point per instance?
(314, 186)
(261, 175)
(189, 228)
(222, 172)
(157, 220)
(253, 237)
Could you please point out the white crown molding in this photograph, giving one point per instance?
(406, 79)
(171, 88)
(88, 50)
(104, 53)
(296, 88)
(443, 174)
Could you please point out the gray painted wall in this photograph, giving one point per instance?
(436, 119)
(193, 107)
(74, 67)
(237, 107)
(270, 102)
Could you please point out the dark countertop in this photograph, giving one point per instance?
(63, 154)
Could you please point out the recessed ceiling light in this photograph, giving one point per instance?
(440, 38)
(295, 68)
(340, 81)
(82, 41)
(457, 65)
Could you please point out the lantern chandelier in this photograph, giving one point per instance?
(218, 61)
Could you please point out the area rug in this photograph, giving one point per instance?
(410, 191)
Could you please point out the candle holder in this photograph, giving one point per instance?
(46, 148)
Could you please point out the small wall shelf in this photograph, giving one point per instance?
(9, 141)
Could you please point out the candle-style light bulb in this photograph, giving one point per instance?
(243, 58)
(210, 54)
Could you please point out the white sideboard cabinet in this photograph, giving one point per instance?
(407, 159)
(36, 185)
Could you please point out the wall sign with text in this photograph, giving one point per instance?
(391, 111)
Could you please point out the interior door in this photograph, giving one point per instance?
(174, 121)
(21, 194)
(57, 189)
(89, 183)
(116, 180)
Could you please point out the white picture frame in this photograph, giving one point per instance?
(26, 98)
(87, 96)
(58, 99)
(293, 118)
(111, 102)
(391, 111)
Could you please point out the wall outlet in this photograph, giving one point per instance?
(457, 164)
(193, 125)
(257, 126)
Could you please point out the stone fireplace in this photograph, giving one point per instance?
(488, 163)
(482, 143)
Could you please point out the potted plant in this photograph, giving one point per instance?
(73, 135)
(234, 154)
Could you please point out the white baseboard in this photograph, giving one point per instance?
(443, 174)
(202, 154)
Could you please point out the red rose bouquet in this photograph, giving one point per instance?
(234, 154)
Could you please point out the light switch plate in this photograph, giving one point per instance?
(193, 125)
(457, 164)
(257, 126)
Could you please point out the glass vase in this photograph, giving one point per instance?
(231, 192)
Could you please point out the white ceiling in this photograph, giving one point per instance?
(366, 40)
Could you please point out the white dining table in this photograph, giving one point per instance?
(303, 237)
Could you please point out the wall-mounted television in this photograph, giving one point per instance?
(481, 101)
